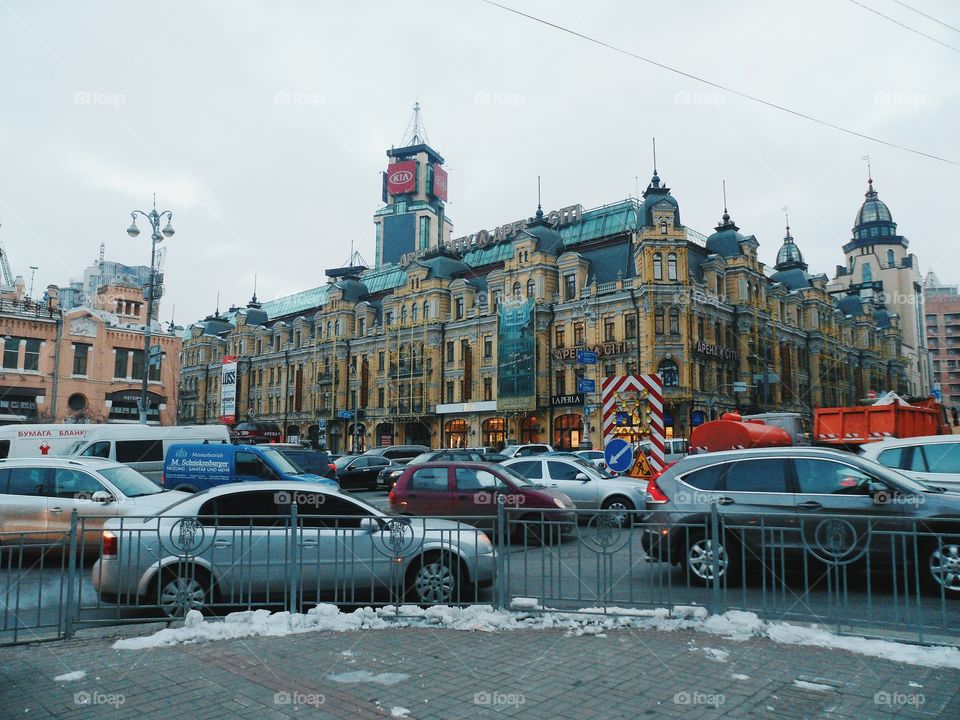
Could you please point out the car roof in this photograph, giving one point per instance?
(269, 485)
(72, 461)
(878, 445)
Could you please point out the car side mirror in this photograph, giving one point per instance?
(103, 497)
(581, 476)
(370, 524)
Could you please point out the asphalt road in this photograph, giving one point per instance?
(586, 569)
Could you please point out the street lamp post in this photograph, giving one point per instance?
(157, 235)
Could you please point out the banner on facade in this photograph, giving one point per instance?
(402, 177)
(516, 355)
(228, 390)
(440, 183)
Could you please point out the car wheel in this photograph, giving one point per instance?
(942, 571)
(621, 511)
(435, 581)
(182, 589)
(698, 560)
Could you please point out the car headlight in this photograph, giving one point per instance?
(559, 503)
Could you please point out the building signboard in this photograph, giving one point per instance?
(402, 177)
(564, 400)
(439, 183)
(720, 352)
(601, 349)
(516, 356)
(228, 390)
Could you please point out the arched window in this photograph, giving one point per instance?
(516, 289)
(669, 372)
(663, 226)
(414, 313)
(658, 321)
(891, 258)
(867, 273)
(456, 432)
(671, 266)
(657, 266)
(674, 321)
(336, 328)
(426, 311)
(531, 288)
(403, 313)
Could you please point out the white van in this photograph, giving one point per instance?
(143, 447)
(44, 440)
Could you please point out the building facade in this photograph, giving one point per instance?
(469, 341)
(84, 364)
(942, 305)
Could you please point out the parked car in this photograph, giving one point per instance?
(192, 468)
(359, 472)
(389, 475)
(315, 462)
(512, 451)
(933, 459)
(42, 440)
(345, 550)
(144, 447)
(472, 491)
(594, 457)
(397, 453)
(256, 433)
(794, 491)
(673, 448)
(38, 496)
(588, 487)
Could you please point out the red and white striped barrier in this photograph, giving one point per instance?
(653, 385)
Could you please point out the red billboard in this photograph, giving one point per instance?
(440, 182)
(402, 177)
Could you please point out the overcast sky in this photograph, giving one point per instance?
(263, 126)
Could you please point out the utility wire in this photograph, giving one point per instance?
(738, 93)
(905, 26)
(929, 17)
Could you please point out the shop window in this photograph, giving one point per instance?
(456, 432)
(567, 432)
(494, 432)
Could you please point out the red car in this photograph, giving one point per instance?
(472, 491)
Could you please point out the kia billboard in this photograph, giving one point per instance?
(440, 183)
(402, 177)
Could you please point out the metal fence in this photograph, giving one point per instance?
(845, 572)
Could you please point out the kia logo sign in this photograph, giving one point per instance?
(400, 177)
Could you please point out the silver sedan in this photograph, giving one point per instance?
(235, 544)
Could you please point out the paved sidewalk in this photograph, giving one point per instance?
(446, 674)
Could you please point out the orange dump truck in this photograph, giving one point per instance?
(732, 432)
(863, 424)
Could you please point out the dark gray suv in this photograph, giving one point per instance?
(799, 504)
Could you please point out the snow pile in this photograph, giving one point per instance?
(399, 712)
(815, 687)
(71, 676)
(364, 676)
(734, 625)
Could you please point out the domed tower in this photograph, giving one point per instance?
(791, 270)
(881, 270)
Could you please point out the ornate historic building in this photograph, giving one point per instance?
(474, 340)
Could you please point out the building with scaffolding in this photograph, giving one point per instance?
(479, 339)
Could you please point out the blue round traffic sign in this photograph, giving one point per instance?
(619, 455)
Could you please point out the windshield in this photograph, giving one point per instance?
(281, 463)
(305, 460)
(422, 458)
(74, 447)
(516, 477)
(131, 483)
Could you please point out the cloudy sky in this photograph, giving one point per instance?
(263, 126)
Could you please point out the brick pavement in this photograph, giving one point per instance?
(445, 674)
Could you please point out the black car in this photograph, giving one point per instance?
(355, 472)
(315, 462)
(397, 453)
(800, 505)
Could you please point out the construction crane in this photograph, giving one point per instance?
(7, 275)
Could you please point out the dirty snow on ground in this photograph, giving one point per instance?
(733, 625)
(714, 653)
(71, 676)
(740, 676)
(914, 684)
(399, 712)
(816, 687)
(365, 676)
